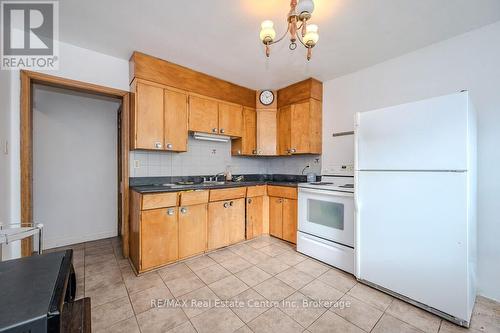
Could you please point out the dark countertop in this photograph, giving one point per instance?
(177, 188)
(154, 184)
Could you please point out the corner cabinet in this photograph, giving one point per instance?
(299, 128)
(159, 117)
(208, 115)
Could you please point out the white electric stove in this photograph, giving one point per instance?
(326, 221)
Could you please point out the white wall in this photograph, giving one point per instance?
(75, 165)
(470, 61)
(75, 63)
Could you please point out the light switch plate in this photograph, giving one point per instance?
(137, 164)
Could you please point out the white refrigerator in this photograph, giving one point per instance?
(415, 203)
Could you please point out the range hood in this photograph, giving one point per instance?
(211, 137)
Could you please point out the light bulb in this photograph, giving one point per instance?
(305, 6)
(311, 37)
(267, 32)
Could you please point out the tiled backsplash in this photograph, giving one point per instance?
(205, 158)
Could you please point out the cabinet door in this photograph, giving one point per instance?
(284, 130)
(236, 222)
(300, 133)
(266, 132)
(159, 237)
(176, 120)
(276, 217)
(246, 145)
(217, 233)
(255, 217)
(230, 119)
(192, 230)
(203, 115)
(148, 117)
(290, 220)
(315, 124)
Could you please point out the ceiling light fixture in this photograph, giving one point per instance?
(297, 19)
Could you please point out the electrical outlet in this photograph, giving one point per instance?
(137, 164)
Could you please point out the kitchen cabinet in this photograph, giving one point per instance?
(266, 132)
(147, 117)
(216, 117)
(159, 237)
(255, 216)
(246, 145)
(176, 120)
(192, 230)
(230, 119)
(276, 217)
(159, 117)
(226, 223)
(283, 212)
(299, 128)
(203, 115)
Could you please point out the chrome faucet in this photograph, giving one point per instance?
(217, 176)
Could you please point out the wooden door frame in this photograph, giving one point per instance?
(28, 78)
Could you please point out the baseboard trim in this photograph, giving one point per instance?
(69, 240)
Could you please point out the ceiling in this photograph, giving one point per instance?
(220, 37)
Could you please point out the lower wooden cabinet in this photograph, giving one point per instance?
(283, 218)
(255, 217)
(159, 237)
(226, 223)
(192, 230)
(276, 217)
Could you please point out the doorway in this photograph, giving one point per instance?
(31, 82)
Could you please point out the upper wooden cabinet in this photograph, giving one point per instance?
(299, 128)
(216, 117)
(266, 133)
(246, 145)
(158, 117)
(230, 119)
(203, 115)
(147, 117)
(176, 119)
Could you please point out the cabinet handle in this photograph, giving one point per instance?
(158, 145)
(293, 150)
(170, 211)
(239, 152)
(169, 146)
(226, 205)
(222, 130)
(231, 203)
(280, 200)
(249, 201)
(184, 210)
(214, 130)
(254, 152)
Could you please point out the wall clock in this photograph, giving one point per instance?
(266, 97)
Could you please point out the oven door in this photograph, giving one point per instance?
(327, 214)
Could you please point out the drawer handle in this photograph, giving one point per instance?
(226, 204)
(184, 210)
(214, 130)
(249, 201)
(170, 211)
(158, 145)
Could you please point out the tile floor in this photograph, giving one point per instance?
(262, 285)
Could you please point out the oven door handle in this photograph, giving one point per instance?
(327, 192)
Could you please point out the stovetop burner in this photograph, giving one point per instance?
(321, 183)
(347, 186)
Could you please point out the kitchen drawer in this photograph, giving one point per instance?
(282, 191)
(159, 200)
(256, 191)
(228, 193)
(193, 198)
